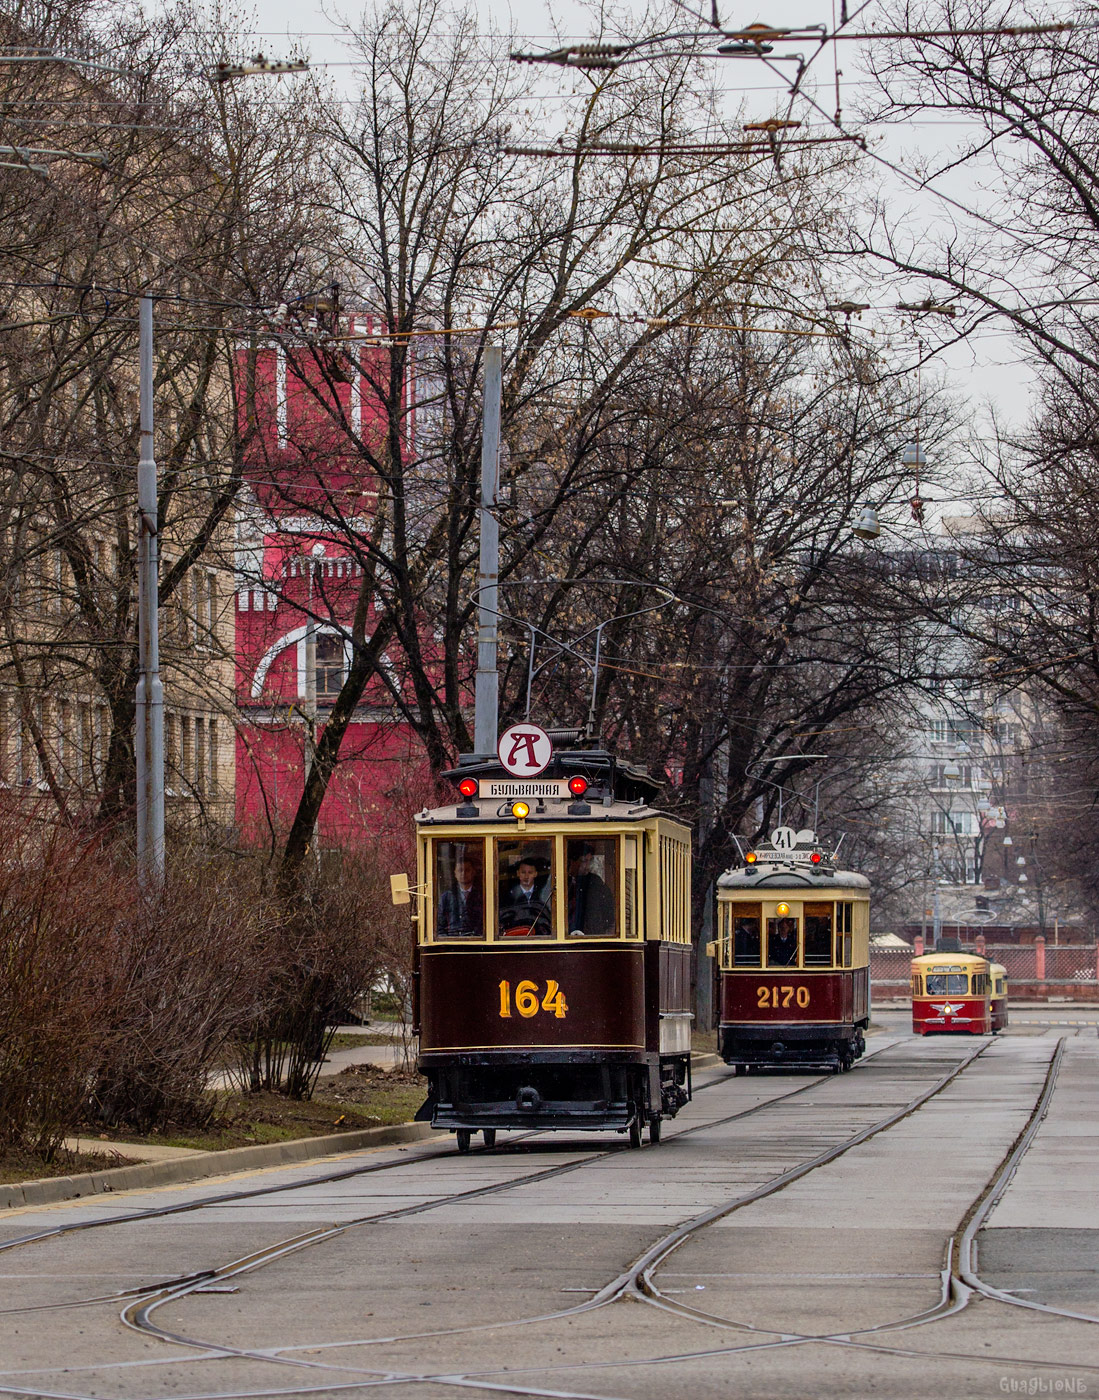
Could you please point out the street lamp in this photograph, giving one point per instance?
(867, 526)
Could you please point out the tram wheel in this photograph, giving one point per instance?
(465, 1137)
(654, 1131)
(490, 1137)
(635, 1132)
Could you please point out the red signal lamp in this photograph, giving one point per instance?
(578, 786)
(750, 858)
(468, 788)
(815, 858)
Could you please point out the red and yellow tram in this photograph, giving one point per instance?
(951, 991)
(998, 1007)
(552, 976)
(793, 954)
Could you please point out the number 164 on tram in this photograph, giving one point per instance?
(553, 952)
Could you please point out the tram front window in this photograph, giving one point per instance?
(947, 984)
(782, 942)
(460, 889)
(593, 880)
(525, 889)
(818, 935)
(746, 942)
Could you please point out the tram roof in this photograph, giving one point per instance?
(791, 875)
(616, 792)
(953, 957)
(627, 782)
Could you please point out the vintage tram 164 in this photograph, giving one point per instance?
(793, 957)
(552, 979)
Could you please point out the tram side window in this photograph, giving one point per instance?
(947, 984)
(747, 949)
(460, 889)
(629, 879)
(917, 985)
(592, 886)
(845, 921)
(782, 942)
(818, 935)
(525, 889)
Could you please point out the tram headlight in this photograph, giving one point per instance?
(750, 858)
(520, 810)
(815, 858)
(578, 786)
(468, 787)
(782, 910)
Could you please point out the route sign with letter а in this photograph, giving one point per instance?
(525, 750)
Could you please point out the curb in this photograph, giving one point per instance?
(179, 1170)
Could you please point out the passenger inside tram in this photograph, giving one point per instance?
(591, 876)
(461, 907)
(746, 949)
(818, 936)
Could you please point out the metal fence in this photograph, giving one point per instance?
(1032, 963)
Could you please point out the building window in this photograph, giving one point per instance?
(199, 730)
(212, 757)
(186, 748)
(331, 666)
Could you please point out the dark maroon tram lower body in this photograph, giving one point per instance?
(794, 1017)
(577, 1035)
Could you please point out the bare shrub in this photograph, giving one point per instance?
(186, 977)
(61, 911)
(332, 946)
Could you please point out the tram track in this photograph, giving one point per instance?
(139, 1315)
(635, 1283)
(198, 1278)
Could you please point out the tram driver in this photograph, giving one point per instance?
(782, 942)
(526, 901)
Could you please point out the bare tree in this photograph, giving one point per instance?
(457, 234)
(177, 188)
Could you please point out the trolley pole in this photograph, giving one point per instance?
(149, 726)
(486, 695)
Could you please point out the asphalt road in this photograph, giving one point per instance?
(792, 1236)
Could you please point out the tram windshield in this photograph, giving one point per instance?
(460, 886)
(593, 879)
(947, 984)
(525, 888)
(782, 942)
(746, 941)
(818, 935)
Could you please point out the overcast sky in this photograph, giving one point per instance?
(984, 371)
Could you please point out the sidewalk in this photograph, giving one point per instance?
(386, 1057)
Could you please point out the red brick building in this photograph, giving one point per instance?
(308, 492)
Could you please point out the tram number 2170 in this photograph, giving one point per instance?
(529, 999)
(782, 996)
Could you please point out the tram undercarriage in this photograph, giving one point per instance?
(566, 1090)
(768, 1046)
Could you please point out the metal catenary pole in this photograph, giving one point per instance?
(149, 736)
(486, 696)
